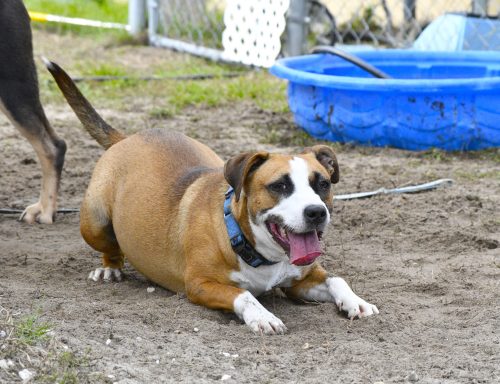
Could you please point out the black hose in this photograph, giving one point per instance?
(13, 211)
(202, 76)
(352, 59)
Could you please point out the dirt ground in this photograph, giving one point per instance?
(429, 261)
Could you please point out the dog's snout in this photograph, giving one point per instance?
(315, 214)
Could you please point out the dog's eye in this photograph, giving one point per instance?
(279, 187)
(282, 187)
(324, 185)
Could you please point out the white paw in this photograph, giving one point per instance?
(36, 214)
(106, 274)
(347, 301)
(356, 307)
(267, 324)
(259, 319)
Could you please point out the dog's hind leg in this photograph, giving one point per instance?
(97, 230)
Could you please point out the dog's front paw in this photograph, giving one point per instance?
(266, 323)
(258, 318)
(347, 301)
(356, 307)
(36, 214)
(106, 274)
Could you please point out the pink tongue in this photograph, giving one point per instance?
(304, 247)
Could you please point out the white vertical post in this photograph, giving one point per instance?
(153, 18)
(136, 16)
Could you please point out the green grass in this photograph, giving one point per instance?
(436, 154)
(166, 97)
(265, 91)
(102, 69)
(30, 345)
(169, 97)
(161, 113)
(65, 369)
(31, 330)
(288, 136)
(260, 88)
(101, 10)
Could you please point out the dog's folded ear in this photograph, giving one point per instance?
(238, 169)
(325, 155)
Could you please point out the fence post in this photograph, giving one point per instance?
(153, 18)
(479, 7)
(136, 16)
(296, 27)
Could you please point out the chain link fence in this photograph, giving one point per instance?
(200, 22)
(395, 23)
(196, 26)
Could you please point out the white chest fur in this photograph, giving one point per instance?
(264, 278)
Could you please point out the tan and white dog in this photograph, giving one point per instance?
(157, 198)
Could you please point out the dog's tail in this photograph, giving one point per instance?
(94, 124)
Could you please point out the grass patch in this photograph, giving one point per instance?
(436, 155)
(161, 113)
(66, 368)
(102, 10)
(260, 88)
(166, 97)
(286, 134)
(169, 97)
(115, 11)
(27, 344)
(31, 330)
(289, 136)
(102, 69)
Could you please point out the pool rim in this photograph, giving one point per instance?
(491, 83)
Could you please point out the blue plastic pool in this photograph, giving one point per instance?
(448, 100)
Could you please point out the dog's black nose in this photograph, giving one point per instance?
(315, 214)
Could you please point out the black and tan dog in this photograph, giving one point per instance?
(19, 100)
(222, 233)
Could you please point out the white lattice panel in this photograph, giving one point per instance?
(253, 30)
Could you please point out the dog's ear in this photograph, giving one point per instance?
(325, 155)
(238, 169)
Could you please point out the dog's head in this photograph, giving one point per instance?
(287, 200)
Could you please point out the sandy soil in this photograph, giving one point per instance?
(429, 261)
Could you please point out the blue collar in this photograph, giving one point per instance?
(240, 244)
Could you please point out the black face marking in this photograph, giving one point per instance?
(283, 187)
(320, 185)
(277, 220)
